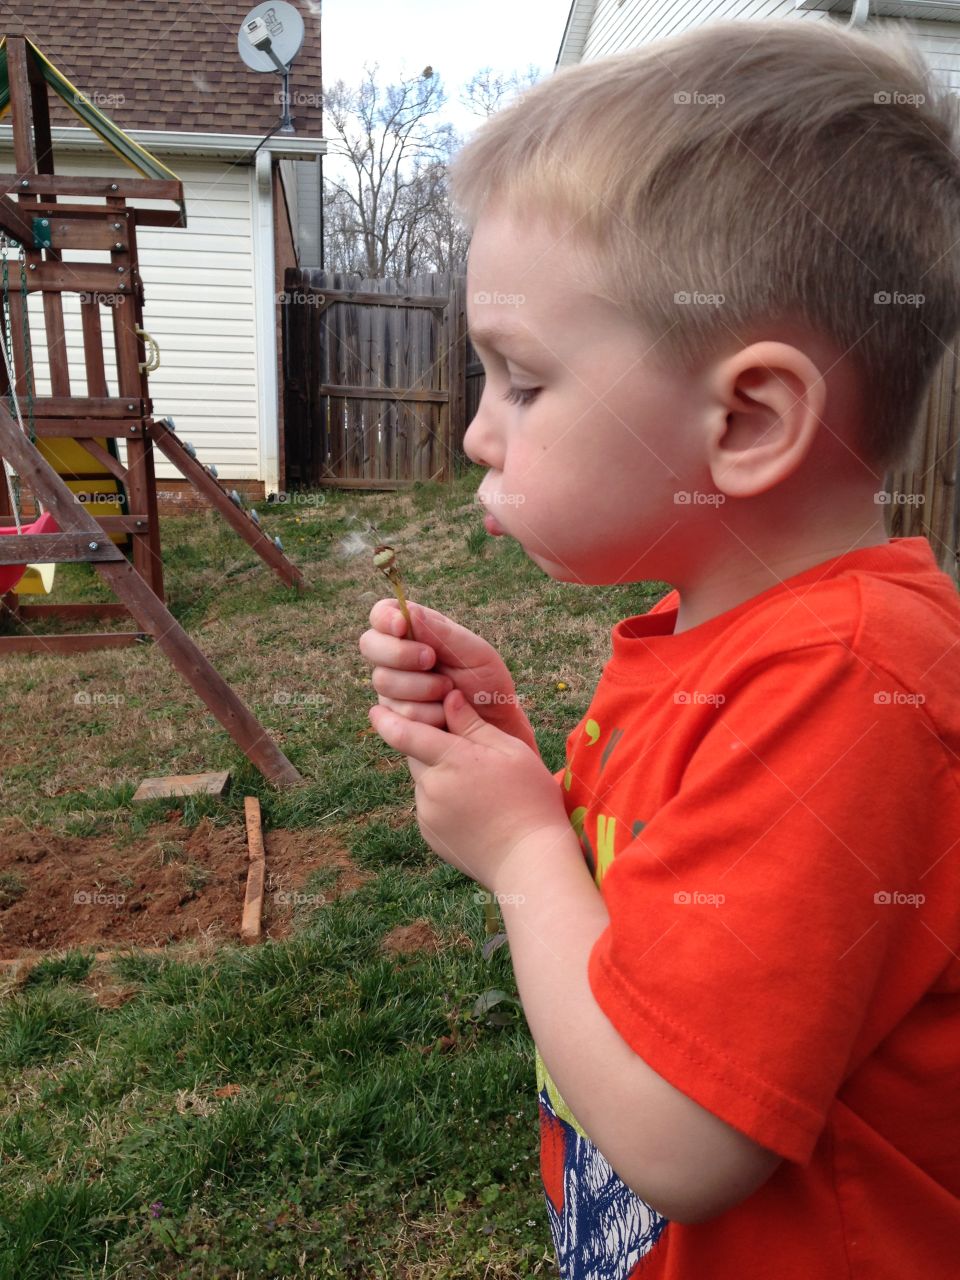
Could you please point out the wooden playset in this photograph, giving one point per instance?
(62, 448)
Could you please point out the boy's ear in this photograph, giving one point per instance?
(767, 402)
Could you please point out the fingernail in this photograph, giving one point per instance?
(427, 659)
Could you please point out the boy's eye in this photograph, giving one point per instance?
(520, 395)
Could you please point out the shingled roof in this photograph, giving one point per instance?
(169, 65)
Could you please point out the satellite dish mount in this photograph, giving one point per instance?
(270, 38)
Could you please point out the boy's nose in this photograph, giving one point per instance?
(481, 442)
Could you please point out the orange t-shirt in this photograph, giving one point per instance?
(770, 804)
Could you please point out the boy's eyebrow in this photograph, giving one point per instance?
(490, 335)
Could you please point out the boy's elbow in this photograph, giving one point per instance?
(699, 1190)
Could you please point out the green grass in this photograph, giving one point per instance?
(378, 1123)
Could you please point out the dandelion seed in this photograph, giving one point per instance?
(354, 544)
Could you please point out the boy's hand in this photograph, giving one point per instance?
(455, 659)
(481, 794)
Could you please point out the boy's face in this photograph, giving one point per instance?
(583, 472)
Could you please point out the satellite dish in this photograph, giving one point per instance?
(269, 39)
(270, 36)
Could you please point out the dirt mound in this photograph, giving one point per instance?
(63, 891)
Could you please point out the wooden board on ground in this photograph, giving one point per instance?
(187, 784)
(253, 901)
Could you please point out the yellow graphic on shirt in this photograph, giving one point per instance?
(592, 730)
(606, 826)
(553, 1093)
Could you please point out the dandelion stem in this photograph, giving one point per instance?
(385, 559)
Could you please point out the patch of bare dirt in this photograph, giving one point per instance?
(59, 892)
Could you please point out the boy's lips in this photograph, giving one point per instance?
(491, 525)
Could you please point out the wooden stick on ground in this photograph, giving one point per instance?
(253, 902)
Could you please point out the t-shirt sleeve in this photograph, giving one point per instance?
(753, 916)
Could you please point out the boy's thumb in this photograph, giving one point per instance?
(462, 717)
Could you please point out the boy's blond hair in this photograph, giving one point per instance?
(795, 169)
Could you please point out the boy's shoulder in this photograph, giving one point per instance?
(894, 613)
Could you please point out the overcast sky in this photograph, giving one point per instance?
(455, 38)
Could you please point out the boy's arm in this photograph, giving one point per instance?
(487, 804)
(680, 1158)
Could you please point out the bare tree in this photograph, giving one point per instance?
(488, 91)
(389, 138)
(390, 214)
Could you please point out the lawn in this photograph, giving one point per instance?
(345, 1099)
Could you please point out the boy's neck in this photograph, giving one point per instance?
(740, 573)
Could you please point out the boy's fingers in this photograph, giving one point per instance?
(386, 651)
(410, 686)
(423, 712)
(455, 645)
(422, 742)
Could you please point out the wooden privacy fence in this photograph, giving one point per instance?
(375, 385)
(923, 497)
(382, 382)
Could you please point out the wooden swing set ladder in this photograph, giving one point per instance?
(81, 539)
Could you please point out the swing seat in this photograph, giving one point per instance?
(14, 576)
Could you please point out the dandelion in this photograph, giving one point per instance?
(561, 685)
(385, 559)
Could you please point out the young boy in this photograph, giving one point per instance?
(709, 280)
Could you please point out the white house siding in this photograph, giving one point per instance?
(618, 25)
(199, 306)
(307, 224)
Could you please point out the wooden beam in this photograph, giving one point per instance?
(106, 609)
(250, 923)
(65, 185)
(14, 221)
(91, 407)
(322, 297)
(21, 105)
(89, 429)
(385, 393)
(56, 548)
(71, 644)
(150, 612)
(238, 520)
(81, 277)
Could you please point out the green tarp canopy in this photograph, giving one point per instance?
(115, 138)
